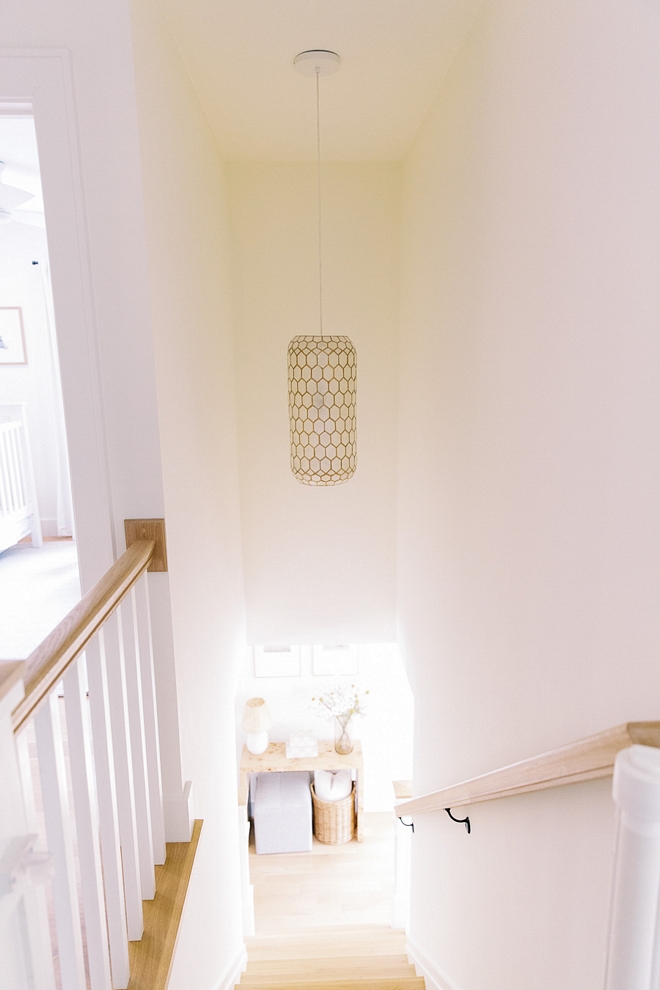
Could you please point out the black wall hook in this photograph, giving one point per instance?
(461, 821)
(407, 824)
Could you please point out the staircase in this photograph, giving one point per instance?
(368, 957)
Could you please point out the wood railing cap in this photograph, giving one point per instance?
(586, 759)
(46, 665)
(402, 789)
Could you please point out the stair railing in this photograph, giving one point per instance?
(631, 753)
(106, 722)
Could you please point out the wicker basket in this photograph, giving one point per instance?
(334, 821)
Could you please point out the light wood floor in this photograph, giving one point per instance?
(332, 886)
(37, 589)
(323, 918)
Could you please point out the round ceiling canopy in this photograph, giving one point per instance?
(307, 62)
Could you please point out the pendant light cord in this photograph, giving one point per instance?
(318, 176)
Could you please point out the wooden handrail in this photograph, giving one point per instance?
(46, 665)
(402, 789)
(587, 759)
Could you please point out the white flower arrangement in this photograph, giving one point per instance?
(341, 703)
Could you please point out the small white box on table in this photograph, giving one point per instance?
(301, 745)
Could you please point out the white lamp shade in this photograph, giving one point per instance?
(256, 717)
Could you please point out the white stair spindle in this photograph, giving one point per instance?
(634, 917)
(52, 771)
(138, 745)
(87, 826)
(26, 957)
(36, 908)
(108, 817)
(145, 641)
(112, 642)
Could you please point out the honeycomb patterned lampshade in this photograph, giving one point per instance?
(322, 409)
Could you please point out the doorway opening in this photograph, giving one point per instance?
(39, 579)
(361, 884)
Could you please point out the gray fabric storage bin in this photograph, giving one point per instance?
(282, 813)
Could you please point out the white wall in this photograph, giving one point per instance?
(529, 468)
(34, 383)
(188, 274)
(386, 730)
(319, 562)
(136, 282)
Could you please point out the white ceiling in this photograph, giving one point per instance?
(240, 57)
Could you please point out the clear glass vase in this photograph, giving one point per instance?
(343, 737)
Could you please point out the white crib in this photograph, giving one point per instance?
(19, 513)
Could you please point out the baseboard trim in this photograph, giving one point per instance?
(232, 973)
(435, 980)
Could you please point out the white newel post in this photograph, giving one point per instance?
(25, 952)
(633, 951)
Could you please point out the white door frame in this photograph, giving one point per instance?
(40, 80)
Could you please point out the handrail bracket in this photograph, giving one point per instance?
(461, 821)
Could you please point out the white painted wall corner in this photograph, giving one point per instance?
(179, 815)
(424, 966)
(232, 973)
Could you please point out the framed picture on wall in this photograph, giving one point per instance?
(12, 336)
(277, 661)
(336, 661)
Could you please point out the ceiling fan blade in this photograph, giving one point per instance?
(29, 217)
(11, 197)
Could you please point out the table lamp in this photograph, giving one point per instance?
(256, 722)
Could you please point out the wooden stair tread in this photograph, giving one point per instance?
(336, 942)
(339, 931)
(403, 983)
(367, 957)
(297, 963)
(346, 968)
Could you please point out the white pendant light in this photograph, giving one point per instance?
(322, 368)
